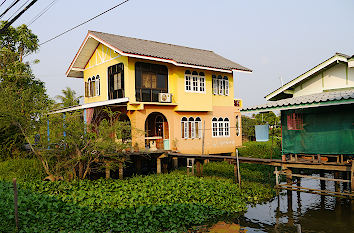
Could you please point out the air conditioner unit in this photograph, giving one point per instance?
(165, 97)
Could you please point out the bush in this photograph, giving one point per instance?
(21, 169)
(261, 149)
(156, 203)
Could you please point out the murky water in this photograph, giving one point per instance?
(305, 211)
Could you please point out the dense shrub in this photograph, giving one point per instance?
(22, 169)
(249, 172)
(261, 149)
(155, 203)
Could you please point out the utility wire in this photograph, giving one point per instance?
(18, 9)
(2, 3)
(17, 16)
(53, 38)
(12, 5)
(34, 19)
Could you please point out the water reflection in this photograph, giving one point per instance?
(292, 210)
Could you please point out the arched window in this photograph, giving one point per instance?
(184, 127)
(220, 85)
(98, 91)
(191, 127)
(237, 125)
(221, 127)
(215, 85)
(226, 85)
(89, 87)
(198, 127)
(195, 81)
(226, 127)
(214, 122)
(201, 82)
(187, 80)
(93, 86)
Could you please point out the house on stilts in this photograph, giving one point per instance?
(317, 116)
(181, 98)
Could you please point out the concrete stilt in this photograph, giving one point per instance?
(158, 166)
(175, 162)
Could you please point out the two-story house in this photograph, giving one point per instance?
(181, 97)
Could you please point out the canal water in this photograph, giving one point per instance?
(301, 211)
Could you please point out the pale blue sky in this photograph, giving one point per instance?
(274, 38)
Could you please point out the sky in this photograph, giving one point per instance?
(278, 40)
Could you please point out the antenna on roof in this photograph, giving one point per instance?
(281, 80)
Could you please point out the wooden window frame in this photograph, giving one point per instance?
(295, 121)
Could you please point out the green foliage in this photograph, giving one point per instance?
(249, 172)
(22, 169)
(248, 123)
(23, 97)
(261, 149)
(68, 98)
(155, 203)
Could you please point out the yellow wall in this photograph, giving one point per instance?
(98, 64)
(105, 57)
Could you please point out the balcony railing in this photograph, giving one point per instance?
(148, 94)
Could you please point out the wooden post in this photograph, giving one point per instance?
(158, 166)
(16, 203)
(238, 169)
(276, 176)
(108, 170)
(164, 167)
(201, 169)
(138, 165)
(198, 167)
(336, 183)
(235, 172)
(121, 170)
(175, 162)
(193, 168)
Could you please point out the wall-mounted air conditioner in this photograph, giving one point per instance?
(165, 97)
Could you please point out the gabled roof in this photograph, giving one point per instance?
(280, 92)
(151, 50)
(306, 101)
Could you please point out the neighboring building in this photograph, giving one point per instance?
(317, 109)
(169, 92)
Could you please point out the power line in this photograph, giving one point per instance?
(2, 3)
(17, 16)
(41, 13)
(53, 38)
(12, 5)
(18, 9)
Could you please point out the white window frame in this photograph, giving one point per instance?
(184, 127)
(221, 127)
(97, 86)
(226, 85)
(89, 87)
(201, 82)
(214, 126)
(220, 85)
(215, 84)
(198, 124)
(188, 81)
(195, 81)
(226, 127)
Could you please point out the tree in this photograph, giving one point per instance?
(23, 97)
(73, 147)
(248, 123)
(68, 98)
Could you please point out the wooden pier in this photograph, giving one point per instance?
(286, 166)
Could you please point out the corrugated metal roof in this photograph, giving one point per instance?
(302, 101)
(180, 54)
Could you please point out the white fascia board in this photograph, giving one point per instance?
(91, 105)
(306, 75)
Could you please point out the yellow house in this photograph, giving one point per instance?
(181, 97)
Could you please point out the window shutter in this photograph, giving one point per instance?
(86, 89)
(226, 86)
(215, 86)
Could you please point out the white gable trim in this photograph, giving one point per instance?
(335, 58)
(89, 35)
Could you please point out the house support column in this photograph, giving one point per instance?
(158, 163)
(121, 171)
(175, 162)
(108, 170)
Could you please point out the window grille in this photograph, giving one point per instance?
(295, 121)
